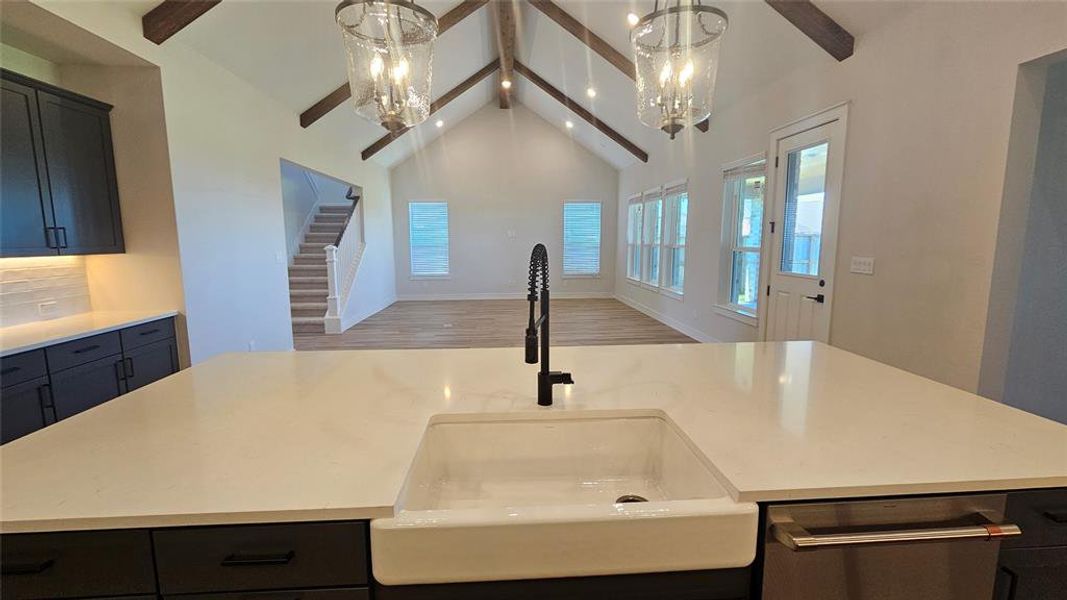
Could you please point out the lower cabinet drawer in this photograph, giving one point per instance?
(1041, 514)
(334, 594)
(76, 564)
(261, 557)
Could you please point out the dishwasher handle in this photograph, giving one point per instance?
(795, 537)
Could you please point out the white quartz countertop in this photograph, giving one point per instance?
(296, 436)
(31, 336)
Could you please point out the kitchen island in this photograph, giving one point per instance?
(330, 436)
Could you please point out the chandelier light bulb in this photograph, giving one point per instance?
(590, 92)
(632, 19)
(506, 84)
(569, 124)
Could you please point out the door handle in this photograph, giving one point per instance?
(127, 367)
(27, 568)
(48, 239)
(820, 298)
(62, 244)
(795, 537)
(258, 560)
(48, 404)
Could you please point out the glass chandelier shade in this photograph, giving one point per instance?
(389, 46)
(676, 52)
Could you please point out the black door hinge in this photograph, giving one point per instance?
(775, 162)
(772, 226)
(768, 290)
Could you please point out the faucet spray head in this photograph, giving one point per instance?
(531, 346)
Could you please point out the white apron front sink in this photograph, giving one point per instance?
(525, 496)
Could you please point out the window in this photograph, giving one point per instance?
(581, 239)
(674, 239)
(804, 196)
(428, 238)
(652, 238)
(656, 238)
(743, 189)
(634, 224)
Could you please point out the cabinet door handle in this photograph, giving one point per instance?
(87, 349)
(10, 370)
(128, 367)
(27, 568)
(258, 560)
(1056, 515)
(62, 244)
(1006, 584)
(48, 405)
(149, 332)
(120, 370)
(48, 238)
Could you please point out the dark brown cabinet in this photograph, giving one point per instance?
(25, 205)
(1034, 565)
(43, 386)
(59, 191)
(26, 407)
(80, 388)
(149, 363)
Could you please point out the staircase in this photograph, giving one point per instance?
(307, 274)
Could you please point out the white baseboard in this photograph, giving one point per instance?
(692, 332)
(519, 295)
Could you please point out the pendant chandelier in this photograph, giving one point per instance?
(389, 45)
(676, 51)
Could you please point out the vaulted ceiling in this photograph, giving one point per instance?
(291, 50)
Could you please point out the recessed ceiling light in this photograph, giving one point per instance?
(632, 19)
(569, 124)
(591, 92)
(506, 84)
(440, 123)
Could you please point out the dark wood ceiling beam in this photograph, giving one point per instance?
(435, 106)
(581, 111)
(817, 25)
(171, 16)
(505, 37)
(595, 42)
(342, 93)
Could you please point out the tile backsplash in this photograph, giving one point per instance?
(42, 288)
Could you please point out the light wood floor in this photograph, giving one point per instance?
(495, 324)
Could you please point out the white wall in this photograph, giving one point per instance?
(225, 139)
(931, 95)
(505, 175)
(1036, 379)
(30, 65)
(299, 200)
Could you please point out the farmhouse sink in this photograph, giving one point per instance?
(524, 496)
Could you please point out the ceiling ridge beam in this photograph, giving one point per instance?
(817, 25)
(593, 41)
(435, 106)
(505, 38)
(171, 16)
(581, 111)
(342, 93)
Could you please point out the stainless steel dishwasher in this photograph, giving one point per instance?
(942, 548)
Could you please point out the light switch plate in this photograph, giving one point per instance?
(864, 265)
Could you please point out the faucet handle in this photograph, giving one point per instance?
(531, 346)
(561, 377)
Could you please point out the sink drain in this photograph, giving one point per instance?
(628, 498)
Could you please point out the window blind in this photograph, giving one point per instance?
(428, 238)
(581, 238)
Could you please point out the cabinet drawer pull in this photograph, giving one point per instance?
(62, 244)
(87, 349)
(1056, 515)
(795, 537)
(27, 568)
(10, 370)
(128, 367)
(149, 332)
(258, 560)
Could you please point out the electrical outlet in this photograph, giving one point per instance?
(48, 308)
(864, 265)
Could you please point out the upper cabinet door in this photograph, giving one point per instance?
(25, 209)
(81, 173)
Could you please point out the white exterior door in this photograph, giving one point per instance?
(808, 168)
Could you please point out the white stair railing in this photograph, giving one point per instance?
(342, 264)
